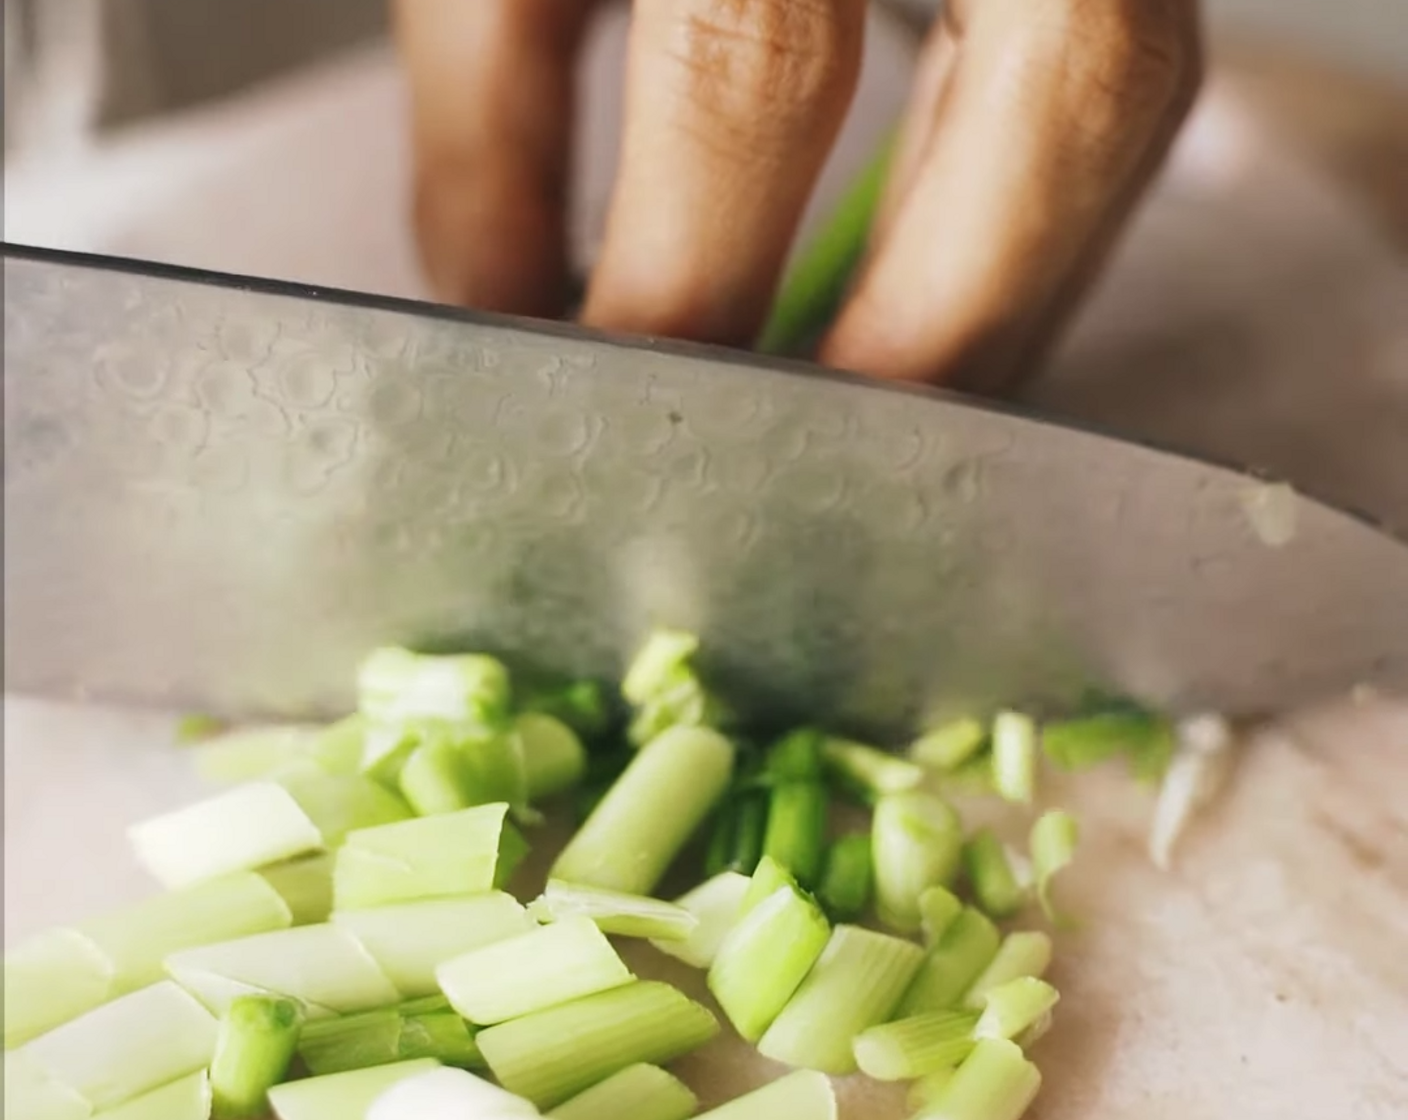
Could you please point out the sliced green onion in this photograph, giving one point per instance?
(432, 857)
(338, 748)
(196, 727)
(454, 766)
(239, 830)
(926, 1091)
(994, 883)
(715, 905)
(1053, 846)
(1014, 745)
(385, 749)
(322, 966)
(848, 879)
(765, 957)
(1086, 741)
(385, 1036)
(737, 840)
(939, 908)
(973, 778)
(666, 691)
(186, 1099)
(137, 939)
(1198, 771)
(250, 754)
(449, 1093)
(803, 1095)
(768, 878)
(1026, 953)
(658, 664)
(341, 803)
(950, 746)
(918, 842)
(513, 850)
(626, 915)
(553, 756)
(305, 885)
(857, 983)
(553, 1055)
(650, 813)
(868, 771)
(51, 978)
(796, 757)
(959, 957)
(796, 831)
(995, 1082)
(128, 1047)
(395, 685)
(581, 705)
(639, 1092)
(552, 965)
(1016, 1006)
(257, 1038)
(917, 1046)
(411, 940)
(344, 1096)
(436, 778)
(31, 1093)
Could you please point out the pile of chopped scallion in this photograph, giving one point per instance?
(337, 940)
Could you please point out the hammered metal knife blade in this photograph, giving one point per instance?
(221, 492)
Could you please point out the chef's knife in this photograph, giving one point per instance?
(221, 492)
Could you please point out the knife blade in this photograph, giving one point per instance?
(221, 492)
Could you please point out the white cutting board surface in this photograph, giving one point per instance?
(1265, 977)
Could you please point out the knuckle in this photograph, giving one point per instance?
(1144, 53)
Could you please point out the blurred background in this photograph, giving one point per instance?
(1255, 313)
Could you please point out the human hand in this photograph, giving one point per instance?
(1034, 129)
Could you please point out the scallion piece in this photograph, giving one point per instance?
(796, 830)
(1053, 846)
(918, 841)
(639, 1092)
(196, 727)
(252, 753)
(957, 959)
(939, 908)
(1026, 953)
(847, 881)
(436, 778)
(31, 1093)
(188, 1098)
(385, 749)
(239, 830)
(1198, 771)
(715, 905)
(554, 759)
(950, 746)
(128, 1047)
(346, 1096)
(650, 813)
(768, 878)
(1014, 747)
(431, 857)
(658, 665)
(796, 757)
(341, 803)
(625, 915)
(995, 1082)
(917, 1046)
(305, 885)
(765, 957)
(257, 1038)
(994, 883)
(857, 983)
(396, 685)
(449, 1094)
(868, 771)
(925, 1091)
(802, 1095)
(1086, 741)
(409, 941)
(1014, 1007)
(737, 840)
(551, 1056)
(51, 978)
(323, 966)
(581, 705)
(551, 965)
(385, 1036)
(338, 747)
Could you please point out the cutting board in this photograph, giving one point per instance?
(1265, 976)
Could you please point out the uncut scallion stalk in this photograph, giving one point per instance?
(639, 1092)
(1025, 953)
(948, 747)
(994, 883)
(857, 983)
(803, 1095)
(346, 1096)
(395, 685)
(554, 759)
(648, 816)
(1053, 843)
(625, 915)
(995, 1082)
(410, 940)
(939, 908)
(796, 829)
(238, 830)
(737, 840)
(715, 904)
(869, 772)
(31, 1092)
(551, 965)
(765, 957)
(1014, 749)
(446, 1093)
(136, 1043)
(385, 1036)
(959, 957)
(188, 1098)
(916, 1046)
(51, 978)
(848, 878)
(256, 1043)
(551, 1056)
(305, 885)
(1015, 1007)
(917, 840)
(430, 857)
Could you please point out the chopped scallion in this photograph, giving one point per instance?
(995, 1082)
(715, 905)
(385, 1036)
(796, 757)
(1198, 771)
(554, 759)
(737, 840)
(768, 877)
(925, 1091)
(917, 1046)
(868, 771)
(346, 1096)
(257, 1038)
(396, 685)
(803, 1095)
(950, 746)
(658, 664)
(51, 978)
(1014, 1007)
(1014, 749)
(188, 1098)
(639, 1092)
(918, 842)
(341, 803)
(305, 885)
(959, 957)
(31, 1093)
(1026, 953)
(626, 915)
(796, 829)
(252, 753)
(939, 908)
(443, 1094)
(994, 883)
(1053, 845)
(581, 705)
(847, 881)
(436, 778)
(1086, 741)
